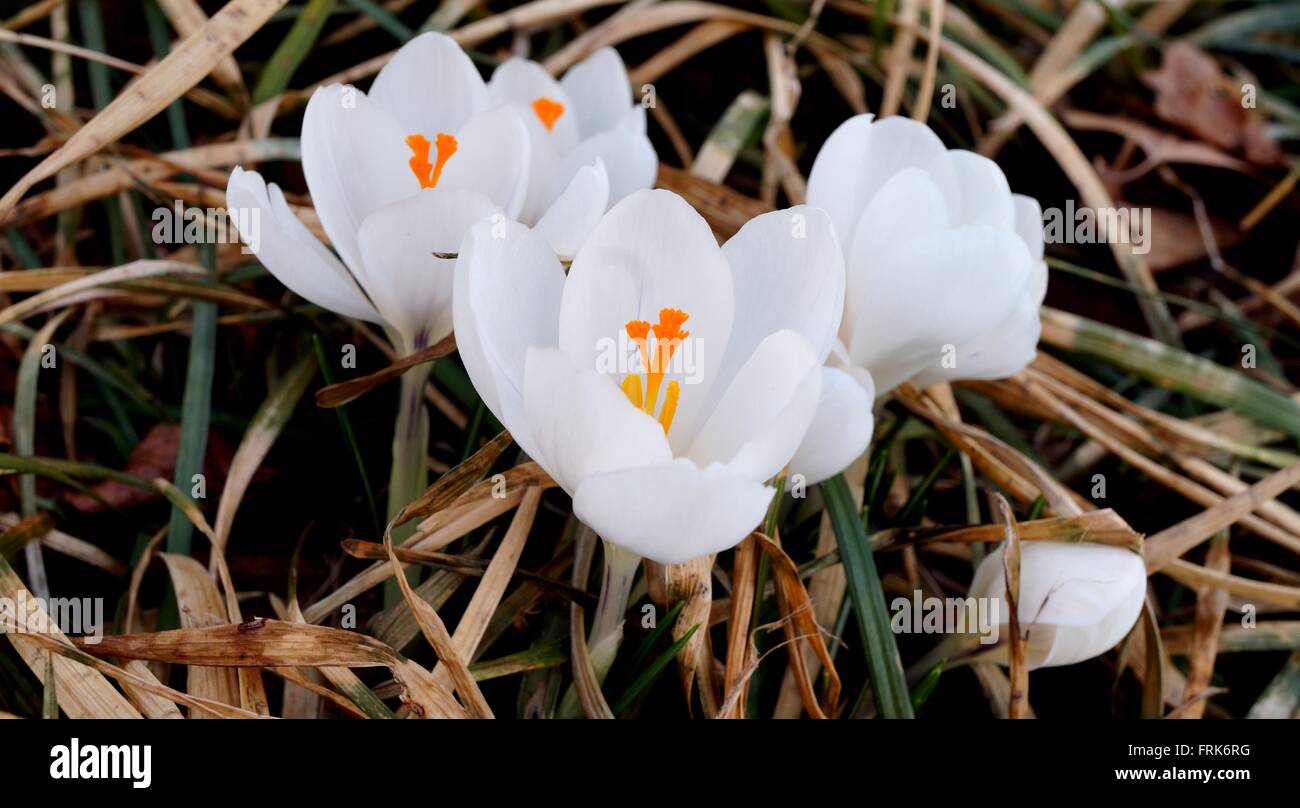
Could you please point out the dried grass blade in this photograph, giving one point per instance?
(799, 623)
(335, 395)
(200, 606)
(436, 633)
(82, 693)
(472, 624)
(184, 67)
(1018, 663)
(1169, 544)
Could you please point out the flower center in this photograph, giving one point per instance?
(428, 173)
(668, 334)
(548, 111)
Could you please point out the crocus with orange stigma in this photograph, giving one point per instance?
(588, 139)
(396, 176)
(665, 381)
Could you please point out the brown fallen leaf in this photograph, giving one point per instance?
(1192, 92)
(1176, 238)
(154, 456)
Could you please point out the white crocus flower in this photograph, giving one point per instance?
(944, 265)
(589, 144)
(667, 455)
(1077, 601)
(944, 273)
(395, 176)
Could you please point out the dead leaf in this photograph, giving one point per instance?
(1193, 93)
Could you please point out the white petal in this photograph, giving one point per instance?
(634, 120)
(507, 299)
(651, 251)
(861, 156)
(1029, 224)
(582, 424)
(841, 429)
(492, 157)
(761, 418)
(289, 251)
(834, 183)
(354, 157)
(520, 81)
(674, 512)
(983, 196)
(430, 86)
(408, 285)
(598, 87)
(573, 216)
(927, 294)
(908, 206)
(1080, 599)
(1000, 353)
(629, 158)
(788, 271)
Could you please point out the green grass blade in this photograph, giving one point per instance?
(650, 674)
(1174, 369)
(383, 18)
(196, 410)
(926, 686)
(888, 682)
(292, 50)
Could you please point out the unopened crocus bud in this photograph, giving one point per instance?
(1077, 601)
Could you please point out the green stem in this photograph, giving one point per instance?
(410, 470)
(607, 625)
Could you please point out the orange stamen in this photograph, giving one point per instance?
(428, 173)
(668, 334)
(548, 111)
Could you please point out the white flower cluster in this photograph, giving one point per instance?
(911, 262)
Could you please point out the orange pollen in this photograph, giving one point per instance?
(548, 111)
(668, 335)
(428, 173)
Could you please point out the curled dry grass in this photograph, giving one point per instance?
(1159, 403)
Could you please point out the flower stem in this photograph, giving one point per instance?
(410, 470)
(607, 625)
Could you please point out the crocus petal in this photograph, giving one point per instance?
(288, 249)
(927, 294)
(521, 82)
(650, 252)
(1000, 353)
(1077, 601)
(629, 158)
(507, 298)
(409, 286)
(788, 271)
(908, 206)
(833, 184)
(1029, 224)
(582, 424)
(983, 196)
(492, 157)
(571, 217)
(862, 155)
(841, 428)
(634, 120)
(764, 413)
(598, 88)
(430, 86)
(673, 512)
(354, 157)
